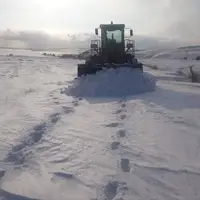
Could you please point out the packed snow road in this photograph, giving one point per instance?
(57, 146)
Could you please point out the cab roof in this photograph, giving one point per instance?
(112, 27)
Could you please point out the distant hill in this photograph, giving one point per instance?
(190, 47)
(43, 41)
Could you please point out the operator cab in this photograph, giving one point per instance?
(112, 41)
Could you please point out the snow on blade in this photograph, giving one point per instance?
(112, 83)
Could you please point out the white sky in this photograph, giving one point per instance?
(144, 16)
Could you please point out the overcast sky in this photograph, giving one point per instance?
(177, 17)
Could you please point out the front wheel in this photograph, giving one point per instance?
(81, 69)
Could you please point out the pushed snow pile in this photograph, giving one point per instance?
(112, 83)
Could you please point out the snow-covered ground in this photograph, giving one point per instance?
(137, 146)
(173, 60)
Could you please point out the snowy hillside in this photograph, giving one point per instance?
(173, 60)
(171, 53)
(59, 140)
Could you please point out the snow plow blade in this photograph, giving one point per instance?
(85, 69)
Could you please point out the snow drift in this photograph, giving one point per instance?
(112, 83)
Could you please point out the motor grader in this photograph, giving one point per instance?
(112, 50)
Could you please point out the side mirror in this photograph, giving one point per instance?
(96, 31)
(131, 32)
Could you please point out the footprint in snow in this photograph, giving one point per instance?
(113, 189)
(68, 110)
(118, 111)
(121, 133)
(19, 153)
(122, 101)
(125, 165)
(113, 125)
(115, 145)
(62, 160)
(123, 117)
(110, 190)
(2, 173)
(123, 105)
(63, 175)
(55, 117)
(75, 102)
(63, 90)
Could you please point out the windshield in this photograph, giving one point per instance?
(114, 35)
